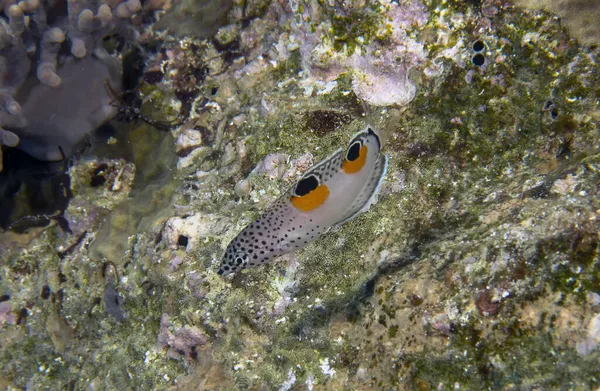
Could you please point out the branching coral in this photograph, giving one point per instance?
(43, 44)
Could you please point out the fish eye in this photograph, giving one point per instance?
(354, 151)
(306, 185)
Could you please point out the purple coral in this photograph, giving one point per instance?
(381, 74)
(6, 314)
(379, 67)
(37, 32)
(183, 342)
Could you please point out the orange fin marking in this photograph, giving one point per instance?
(312, 200)
(352, 167)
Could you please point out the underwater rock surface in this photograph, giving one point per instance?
(578, 16)
(477, 268)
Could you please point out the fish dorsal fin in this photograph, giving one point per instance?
(369, 191)
(328, 167)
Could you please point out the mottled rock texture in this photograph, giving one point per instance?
(478, 267)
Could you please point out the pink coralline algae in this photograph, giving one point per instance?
(407, 14)
(381, 73)
(183, 342)
(274, 165)
(382, 84)
(6, 314)
(379, 67)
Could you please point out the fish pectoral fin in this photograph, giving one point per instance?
(365, 198)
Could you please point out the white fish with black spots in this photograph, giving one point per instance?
(331, 193)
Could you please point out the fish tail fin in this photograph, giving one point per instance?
(369, 191)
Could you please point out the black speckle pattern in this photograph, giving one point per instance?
(327, 168)
(276, 232)
(282, 229)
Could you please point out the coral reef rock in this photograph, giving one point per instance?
(477, 268)
(578, 16)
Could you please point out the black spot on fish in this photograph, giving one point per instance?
(306, 185)
(353, 152)
(478, 46)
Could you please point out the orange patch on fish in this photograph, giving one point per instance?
(327, 195)
(312, 200)
(354, 166)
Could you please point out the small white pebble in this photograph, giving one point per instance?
(594, 328)
(46, 74)
(134, 6)
(121, 11)
(242, 188)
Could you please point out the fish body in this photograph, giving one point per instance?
(331, 193)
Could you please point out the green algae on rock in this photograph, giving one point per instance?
(477, 269)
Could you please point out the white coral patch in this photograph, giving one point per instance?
(586, 346)
(287, 385)
(384, 89)
(326, 369)
(196, 228)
